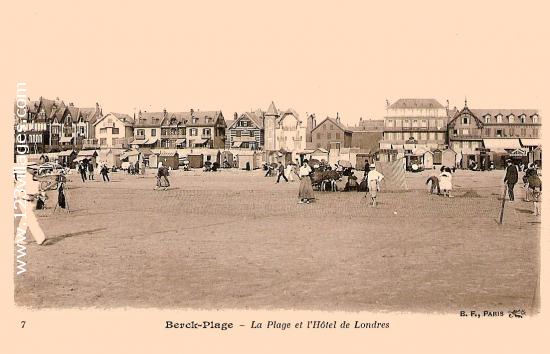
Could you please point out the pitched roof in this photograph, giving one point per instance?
(90, 114)
(368, 125)
(335, 122)
(146, 119)
(48, 106)
(180, 117)
(125, 118)
(74, 112)
(505, 112)
(256, 119)
(59, 112)
(289, 111)
(416, 103)
(202, 116)
(272, 110)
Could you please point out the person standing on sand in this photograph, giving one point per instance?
(446, 182)
(105, 173)
(373, 180)
(82, 170)
(91, 170)
(511, 178)
(281, 169)
(288, 172)
(305, 192)
(162, 173)
(32, 190)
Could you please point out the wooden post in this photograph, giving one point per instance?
(502, 204)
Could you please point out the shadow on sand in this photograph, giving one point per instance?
(56, 239)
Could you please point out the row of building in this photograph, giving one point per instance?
(480, 137)
(53, 126)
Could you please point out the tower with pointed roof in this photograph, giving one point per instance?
(270, 124)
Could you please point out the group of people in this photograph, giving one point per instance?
(443, 183)
(86, 169)
(287, 173)
(372, 177)
(136, 168)
(531, 182)
(162, 177)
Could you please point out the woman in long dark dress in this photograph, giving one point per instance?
(305, 193)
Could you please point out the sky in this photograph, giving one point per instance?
(314, 56)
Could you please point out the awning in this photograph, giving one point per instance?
(152, 140)
(128, 154)
(531, 142)
(202, 141)
(237, 144)
(66, 139)
(501, 144)
(87, 153)
(141, 142)
(180, 141)
(518, 153)
(145, 151)
(468, 151)
(385, 146)
(66, 153)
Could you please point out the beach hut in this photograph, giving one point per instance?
(535, 156)
(109, 157)
(169, 159)
(428, 160)
(448, 158)
(248, 159)
(90, 155)
(226, 157)
(66, 158)
(195, 160)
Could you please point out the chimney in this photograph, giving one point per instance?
(164, 111)
(387, 103)
(191, 111)
(235, 116)
(337, 117)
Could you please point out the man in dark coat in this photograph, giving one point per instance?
(82, 169)
(511, 178)
(281, 170)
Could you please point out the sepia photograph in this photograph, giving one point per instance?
(429, 208)
(303, 167)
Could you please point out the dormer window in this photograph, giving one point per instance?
(487, 119)
(499, 118)
(195, 120)
(522, 118)
(535, 119)
(465, 120)
(511, 118)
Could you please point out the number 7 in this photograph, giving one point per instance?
(23, 324)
